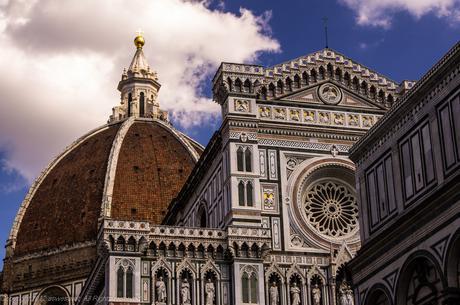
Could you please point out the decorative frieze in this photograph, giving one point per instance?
(304, 145)
(317, 117)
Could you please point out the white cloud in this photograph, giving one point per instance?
(61, 61)
(380, 12)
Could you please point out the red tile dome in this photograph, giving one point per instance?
(130, 170)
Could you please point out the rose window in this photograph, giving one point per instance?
(331, 208)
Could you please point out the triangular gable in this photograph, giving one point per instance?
(348, 99)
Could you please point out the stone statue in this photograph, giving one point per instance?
(350, 299)
(185, 292)
(316, 294)
(295, 294)
(346, 295)
(210, 292)
(343, 298)
(161, 291)
(274, 296)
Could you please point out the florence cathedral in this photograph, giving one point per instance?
(269, 212)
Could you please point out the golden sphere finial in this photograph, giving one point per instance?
(139, 41)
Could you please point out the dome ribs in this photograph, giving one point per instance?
(164, 165)
(73, 186)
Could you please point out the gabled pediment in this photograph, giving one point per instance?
(343, 99)
(271, 83)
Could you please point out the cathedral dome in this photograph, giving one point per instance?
(128, 170)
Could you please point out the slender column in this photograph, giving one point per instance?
(304, 294)
(288, 294)
(283, 300)
(326, 295)
(308, 292)
(267, 288)
(333, 294)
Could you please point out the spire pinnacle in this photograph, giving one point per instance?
(139, 40)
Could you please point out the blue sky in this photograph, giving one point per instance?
(402, 42)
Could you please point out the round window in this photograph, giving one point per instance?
(331, 208)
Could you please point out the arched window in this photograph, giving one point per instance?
(120, 282)
(249, 189)
(244, 159)
(248, 159)
(241, 193)
(129, 283)
(245, 287)
(249, 289)
(253, 290)
(142, 105)
(130, 99)
(240, 159)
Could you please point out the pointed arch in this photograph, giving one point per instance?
(131, 244)
(279, 87)
(120, 282)
(241, 193)
(355, 84)
(347, 79)
(249, 194)
(248, 160)
(271, 90)
(313, 75)
(297, 82)
(129, 282)
(390, 100)
(240, 159)
(305, 80)
(364, 88)
(330, 70)
(120, 246)
(130, 99)
(238, 86)
(321, 73)
(338, 75)
(142, 104)
(230, 84)
(263, 93)
(373, 92)
(247, 86)
(288, 84)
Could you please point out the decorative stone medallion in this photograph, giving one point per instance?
(330, 94)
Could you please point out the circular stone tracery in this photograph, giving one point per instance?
(330, 94)
(331, 208)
